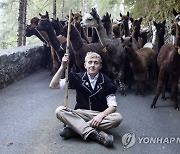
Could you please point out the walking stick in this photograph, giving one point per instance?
(67, 52)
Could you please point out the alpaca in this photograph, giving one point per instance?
(169, 62)
(106, 20)
(142, 62)
(58, 48)
(81, 49)
(46, 16)
(136, 26)
(30, 32)
(125, 20)
(115, 51)
(117, 29)
(159, 42)
(76, 19)
(57, 26)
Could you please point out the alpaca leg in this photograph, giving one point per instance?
(121, 81)
(55, 61)
(159, 87)
(174, 91)
(163, 93)
(137, 88)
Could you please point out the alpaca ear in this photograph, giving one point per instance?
(172, 21)
(131, 19)
(47, 14)
(122, 40)
(40, 14)
(57, 19)
(155, 24)
(120, 14)
(128, 14)
(80, 12)
(164, 22)
(140, 20)
(174, 12)
(72, 14)
(130, 39)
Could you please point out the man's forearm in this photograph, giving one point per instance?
(55, 80)
(108, 111)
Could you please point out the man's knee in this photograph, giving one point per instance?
(117, 119)
(59, 110)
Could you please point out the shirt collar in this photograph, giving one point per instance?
(95, 78)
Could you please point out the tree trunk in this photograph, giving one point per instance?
(21, 22)
(63, 9)
(24, 21)
(54, 9)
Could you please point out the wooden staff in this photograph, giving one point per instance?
(67, 52)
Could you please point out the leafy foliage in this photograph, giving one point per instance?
(152, 9)
(148, 9)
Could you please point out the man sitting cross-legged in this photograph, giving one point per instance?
(96, 104)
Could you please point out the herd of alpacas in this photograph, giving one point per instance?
(128, 56)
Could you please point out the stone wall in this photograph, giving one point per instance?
(19, 62)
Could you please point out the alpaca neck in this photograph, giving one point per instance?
(133, 57)
(35, 32)
(126, 30)
(160, 41)
(58, 31)
(109, 31)
(103, 38)
(95, 37)
(53, 39)
(76, 39)
(135, 34)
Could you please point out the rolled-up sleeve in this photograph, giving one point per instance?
(111, 100)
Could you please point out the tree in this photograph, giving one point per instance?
(54, 9)
(21, 22)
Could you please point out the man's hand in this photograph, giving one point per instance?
(65, 60)
(96, 120)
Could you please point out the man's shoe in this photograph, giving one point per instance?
(67, 133)
(102, 138)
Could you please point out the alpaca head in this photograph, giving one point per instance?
(34, 22)
(106, 20)
(44, 25)
(76, 18)
(125, 18)
(136, 24)
(91, 19)
(57, 26)
(28, 31)
(46, 16)
(127, 43)
(160, 27)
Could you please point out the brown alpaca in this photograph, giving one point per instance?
(169, 62)
(75, 20)
(117, 30)
(136, 27)
(142, 63)
(81, 49)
